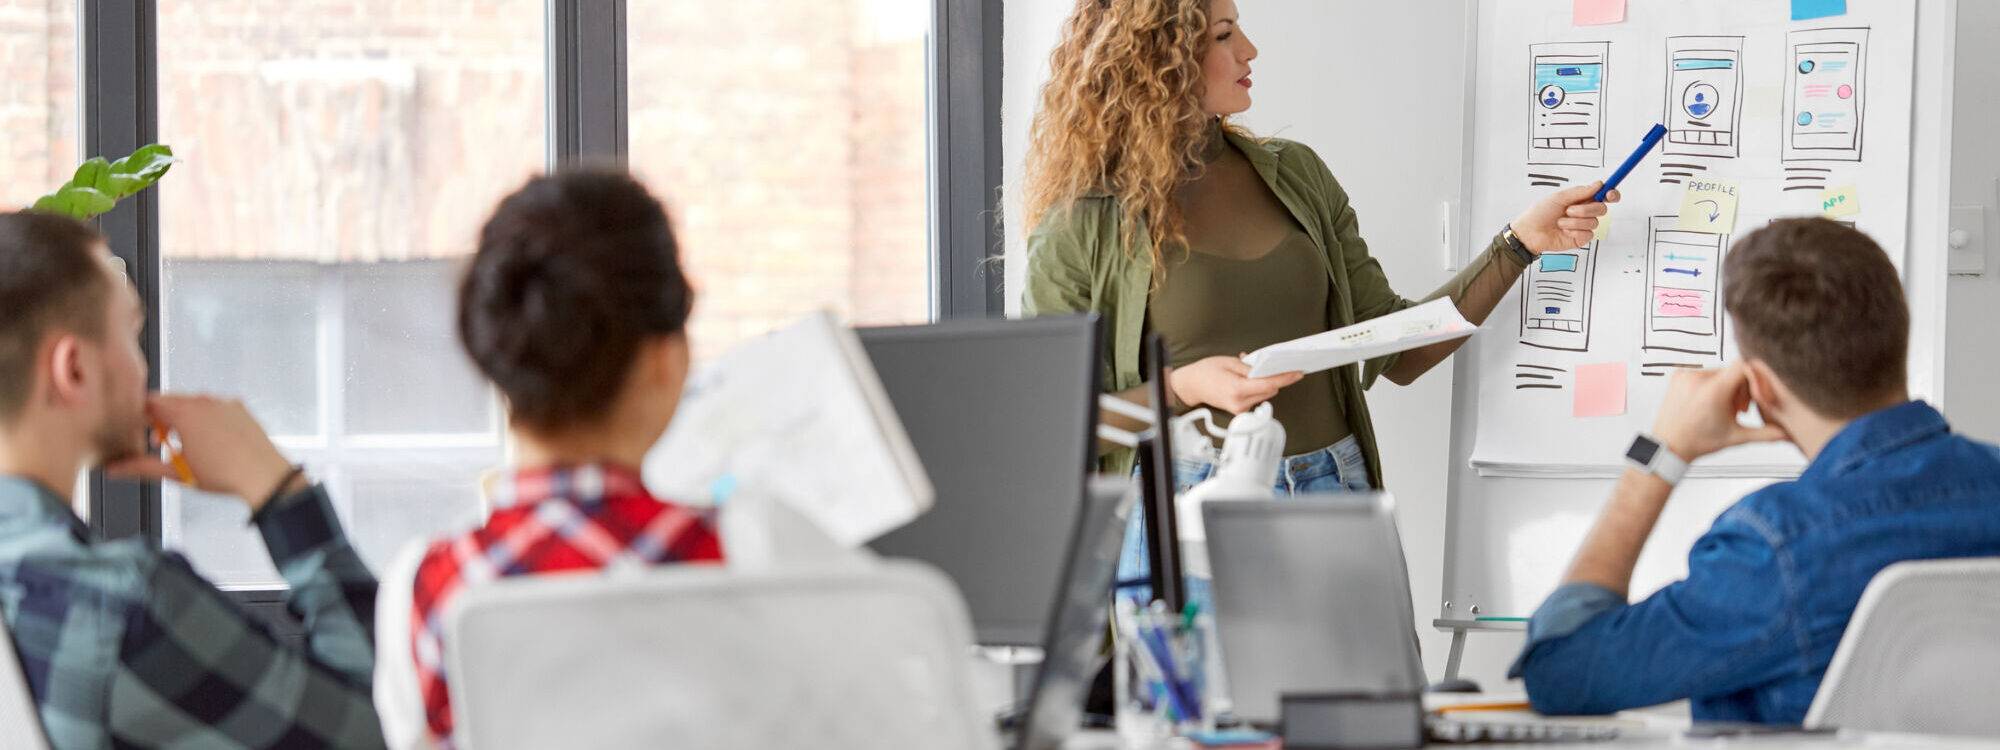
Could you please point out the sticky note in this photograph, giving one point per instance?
(1709, 205)
(1603, 228)
(1806, 10)
(1840, 201)
(1597, 12)
(1680, 303)
(1600, 390)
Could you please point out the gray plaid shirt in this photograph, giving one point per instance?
(125, 646)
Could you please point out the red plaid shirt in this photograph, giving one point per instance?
(579, 518)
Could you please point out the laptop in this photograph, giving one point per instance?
(1312, 595)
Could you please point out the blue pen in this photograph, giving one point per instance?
(1179, 694)
(1652, 139)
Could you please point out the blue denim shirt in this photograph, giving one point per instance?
(1750, 631)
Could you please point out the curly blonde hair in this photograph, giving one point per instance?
(1122, 112)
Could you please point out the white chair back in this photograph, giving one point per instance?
(20, 720)
(1921, 654)
(869, 656)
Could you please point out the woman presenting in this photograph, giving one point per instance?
(1153, 210)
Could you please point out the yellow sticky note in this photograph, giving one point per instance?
(1708, 206)
(1840, 201)
(1603, 228)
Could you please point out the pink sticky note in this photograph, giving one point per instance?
(1600, 390)
(1597, 12)
(1680, 303)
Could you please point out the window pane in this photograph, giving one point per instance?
(790, 141)
(338, 158)
(238, 328)
(38, 85)
(428, 491)
(404, 374)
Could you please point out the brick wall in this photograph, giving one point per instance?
(790, 142)
(345, 130)
(38, 138)
(788, 137)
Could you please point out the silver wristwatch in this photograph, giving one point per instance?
(1649, 455)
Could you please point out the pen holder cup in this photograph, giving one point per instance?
(1162, 669)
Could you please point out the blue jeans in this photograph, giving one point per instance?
(1336, 468)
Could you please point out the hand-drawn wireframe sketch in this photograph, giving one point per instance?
(1703, 113)
(1538, 377)
(1566, 120)
(1825, 102)
(1683, 285)
(1663, 369)
(1557, 292)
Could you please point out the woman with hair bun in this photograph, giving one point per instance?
(575, 307)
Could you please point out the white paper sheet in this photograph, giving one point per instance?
(798, 416)
(1428, 323)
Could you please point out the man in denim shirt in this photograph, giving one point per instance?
(1820, 318)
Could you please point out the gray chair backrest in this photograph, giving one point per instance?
(696, 656)
(20, 721)
(1922, 653)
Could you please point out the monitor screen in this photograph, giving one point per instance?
(1003, 415)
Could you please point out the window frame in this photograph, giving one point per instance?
(587, 122)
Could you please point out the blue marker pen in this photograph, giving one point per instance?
(1652, 139)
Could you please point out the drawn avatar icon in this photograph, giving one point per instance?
(1551, 96)
(1699, 100)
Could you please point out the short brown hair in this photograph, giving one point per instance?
(574, 271)
(1822, 305)
(50, 279)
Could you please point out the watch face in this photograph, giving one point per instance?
(1642, 451)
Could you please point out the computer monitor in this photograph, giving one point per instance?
(1156, 469)
(1073, 650)
(1003, 414)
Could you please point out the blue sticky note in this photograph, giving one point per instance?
(1806, 10)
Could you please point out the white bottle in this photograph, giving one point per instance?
(1252, 447)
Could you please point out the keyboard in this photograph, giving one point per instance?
(1457, 730)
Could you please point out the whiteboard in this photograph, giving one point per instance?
(1511, 529)
(1788, 111)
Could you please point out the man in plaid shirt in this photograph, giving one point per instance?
(123, 645)
(575, 307)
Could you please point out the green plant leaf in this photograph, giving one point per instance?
(95, 173)
(98, 185)
(76, 202)
(139, 171)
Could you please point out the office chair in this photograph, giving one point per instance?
(20, 721)
(1922, 653)
(868, 656)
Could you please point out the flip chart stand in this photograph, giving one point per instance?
(1458, 629)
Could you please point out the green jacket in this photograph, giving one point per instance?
(1077, 264)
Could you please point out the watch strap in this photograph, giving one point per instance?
(1650, 455)
(1516, 246)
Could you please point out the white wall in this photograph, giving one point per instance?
(1973, 348)
(1308, 87)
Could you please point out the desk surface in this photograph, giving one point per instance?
(1662, 726)
(1655, 738)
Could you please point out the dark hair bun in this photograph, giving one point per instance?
(574, 271)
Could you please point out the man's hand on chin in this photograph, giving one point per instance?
(1698, 416)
